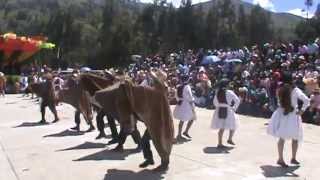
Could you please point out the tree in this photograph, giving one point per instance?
(212, 26)
(242, 26)
(186, 27)
(308, 30)
(227, 19)
(317, 13)
(308, 3)
(260, 27)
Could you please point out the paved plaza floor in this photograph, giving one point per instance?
(29, 151)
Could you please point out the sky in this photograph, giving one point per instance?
(291, 6)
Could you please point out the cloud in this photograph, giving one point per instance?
(266, 4)
(300, 12)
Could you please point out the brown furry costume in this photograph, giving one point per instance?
(76, 96)
(2, 85)
(92, 83)
(45, 91)
(151, 106)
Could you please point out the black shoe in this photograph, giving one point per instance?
(91, 128)
(282, 164)
(113, 141)
(146, 163)
(294, 161)
(42, 122)
(179, 138)
(119, 148)
(231, 142)
(221, 146)
(101, 135)
(187, 135)
(77, 128)
(55, 121)
(161, 168)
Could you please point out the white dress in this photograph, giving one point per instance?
(289, 126)
(186, 110)
(231, 122)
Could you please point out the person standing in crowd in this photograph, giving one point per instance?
(57, 84)
(311, 82)
(24, 84)
(185, 109)
(224, 118)
(285, 122)
(2, 84)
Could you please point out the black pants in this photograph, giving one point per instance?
(114, 132)
(145, 143)
(111, 122)
(77, 118)
(135, 136)
(52, 108)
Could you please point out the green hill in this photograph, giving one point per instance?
(284, 22)
(78, 28)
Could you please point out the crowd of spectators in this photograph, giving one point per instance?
(254, 74)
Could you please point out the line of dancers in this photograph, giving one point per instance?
(285, 123)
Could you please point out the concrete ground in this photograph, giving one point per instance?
(29, 151)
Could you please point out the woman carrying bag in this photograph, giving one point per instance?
(224, 118)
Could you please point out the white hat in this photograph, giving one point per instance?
(301, 57)
(202, 69)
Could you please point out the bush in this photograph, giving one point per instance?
(12, 79)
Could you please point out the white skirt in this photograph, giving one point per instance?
(230, 123)
(286, 127)
(184, 112)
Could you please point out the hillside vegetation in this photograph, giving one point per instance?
(106, 32)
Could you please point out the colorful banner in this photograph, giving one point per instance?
(10, 44)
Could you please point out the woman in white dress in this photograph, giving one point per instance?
(185, 109)
(224, 118)
(286, 123)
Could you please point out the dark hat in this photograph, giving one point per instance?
(287, 78)
(185, 79)
(223, 83)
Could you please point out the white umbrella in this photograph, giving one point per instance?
(85, 69)
(210, 60)
(136, 57)
(234, 61)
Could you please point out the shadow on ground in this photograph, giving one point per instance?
(180, 141)
(65, 133)
(14, 102)
(277, 171)
(115, 174)
(31, 124)
(108, 155)
(86, 145)
(215, 150)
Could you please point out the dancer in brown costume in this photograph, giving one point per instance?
(150, 105)
(73, 94)
(92, 84)
(45, 91)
